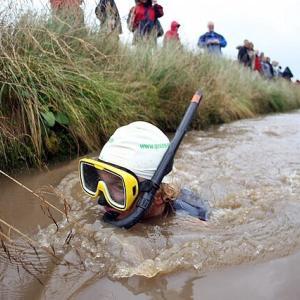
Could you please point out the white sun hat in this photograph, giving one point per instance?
(138, 147)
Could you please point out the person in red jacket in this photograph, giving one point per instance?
(257, 63)
(172, 35)
(142, 20)
(65, 4)
(68, 10)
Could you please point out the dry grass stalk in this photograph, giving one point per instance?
(26, 238)
(11, 246)
(16, 256)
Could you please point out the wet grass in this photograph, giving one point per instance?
(64, 90)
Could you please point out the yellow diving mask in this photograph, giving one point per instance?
(119, 186)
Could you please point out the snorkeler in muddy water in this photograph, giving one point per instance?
(125, 172)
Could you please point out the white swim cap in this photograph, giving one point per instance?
(138, 147)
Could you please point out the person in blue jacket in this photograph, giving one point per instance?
(211, 41)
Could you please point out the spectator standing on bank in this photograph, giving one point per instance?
(108, 14)
(287, 74)
(143, 21)
(257, 63)
(69, 11)
(172, 36)
(251, 54)
(266, 68)
(276, 70)
(211, 41)
(280, 71)
(243, 55)
(268, 59)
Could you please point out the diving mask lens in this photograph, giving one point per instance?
(89, 178)
(112, 186)
(95, 180)
(119, 186)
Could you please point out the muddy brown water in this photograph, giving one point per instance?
(249, 171)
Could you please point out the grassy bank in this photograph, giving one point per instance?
(64, 91)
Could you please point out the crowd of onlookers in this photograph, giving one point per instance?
(143, 22)
(259, 62)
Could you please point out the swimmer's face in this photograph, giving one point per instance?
(114, 185)
(117, 192)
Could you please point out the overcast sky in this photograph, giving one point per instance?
(273, 26)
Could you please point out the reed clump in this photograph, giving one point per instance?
(64, 90)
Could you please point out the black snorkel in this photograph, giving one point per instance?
(145, 202)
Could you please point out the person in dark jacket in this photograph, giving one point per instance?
(172, 35)
(268, 61)
(243, 55)
(142, 20)
(287, 74)
(280, 73)
(108, 14)
(211, 41)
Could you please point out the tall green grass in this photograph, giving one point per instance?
(64, 90)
